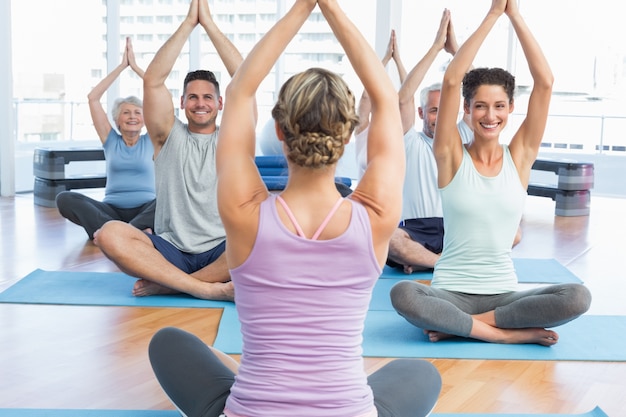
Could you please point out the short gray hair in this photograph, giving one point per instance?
(135, 101)
(426, 90)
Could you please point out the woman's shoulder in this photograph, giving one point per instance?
(114, 134)
(113, 139)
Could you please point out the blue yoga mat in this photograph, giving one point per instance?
(529, 271)
(596, 412)
(37, 412)
(92, 288)
(386, 334)
(114, 288)
(380, 295)
(32, 412)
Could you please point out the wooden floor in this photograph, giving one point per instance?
(95, 357)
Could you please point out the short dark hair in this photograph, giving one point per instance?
(487, 76)
(201, 75)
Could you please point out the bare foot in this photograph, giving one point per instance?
(435, 336)
(222, 291)
(409, 269)
(489, 333)
(535, 335)
(143, 288)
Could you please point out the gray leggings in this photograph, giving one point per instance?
(198, 383)
(450, 312)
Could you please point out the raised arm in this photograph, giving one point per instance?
(364, 107)
(158, 108)
(229, 54)
(396, 58)
(131, 59)
(239, 182)
(447, 146)
(380, 188)
(452, 45)
(406, 94)
(525, 143)
(98, 115)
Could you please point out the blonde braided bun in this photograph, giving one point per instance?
(316, 113)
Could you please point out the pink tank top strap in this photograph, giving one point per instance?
(291, 216)
(327, 219)
(299, 230)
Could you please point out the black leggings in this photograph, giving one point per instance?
(198, 383)
(92, 214)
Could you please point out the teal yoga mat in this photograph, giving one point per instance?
(529, 270)
(32, 412)
(114, 288)
(92, 288)
(380, 295)
(386, 334)
(38, 412)
(596, 412)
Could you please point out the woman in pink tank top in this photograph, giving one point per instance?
(303, 263)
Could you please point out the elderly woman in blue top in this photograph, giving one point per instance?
(130, 189)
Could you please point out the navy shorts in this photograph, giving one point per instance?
(188, 262)
(427, 231)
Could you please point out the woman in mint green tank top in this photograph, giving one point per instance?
(483, 188)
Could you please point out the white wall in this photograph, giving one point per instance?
(7, 144)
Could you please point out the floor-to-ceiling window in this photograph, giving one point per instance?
(59, 56)
(61, 49)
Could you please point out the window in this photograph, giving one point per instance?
(246, 37)
(246, 18)
(165, 19)
(267, 18)
(317, 37)
(51, 63)
(316, 17)
(225, 18)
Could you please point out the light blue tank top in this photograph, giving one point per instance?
(420, 195)
(130, 171)
(302, 306)
(481, 216)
